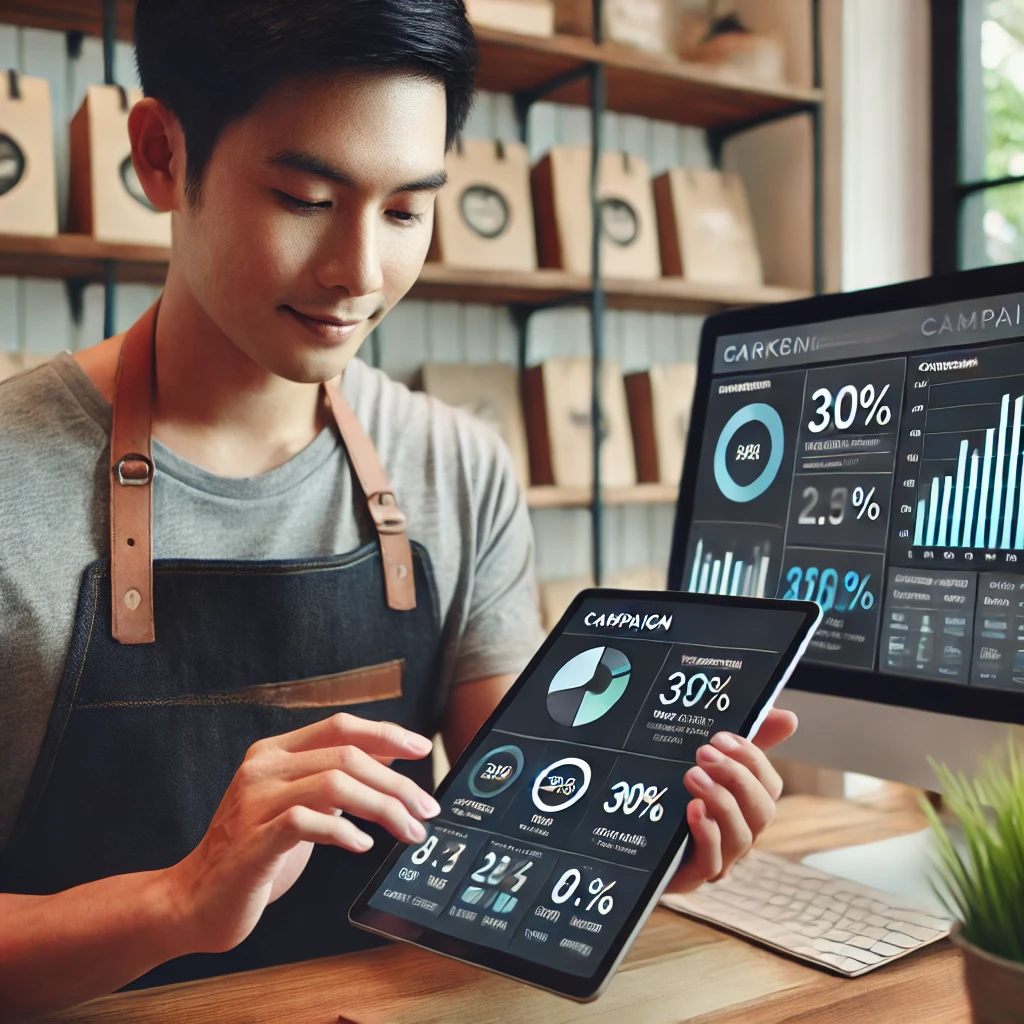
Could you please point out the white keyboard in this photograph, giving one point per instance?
(832, 922)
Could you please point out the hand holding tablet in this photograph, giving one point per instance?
(566, 817)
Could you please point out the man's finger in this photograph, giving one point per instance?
(384, 738)
(334, 789)
(737, 837)
(778, 725)
(364, 767)
(704, 852)
(755, 803)
(300, 824)
(752, 758)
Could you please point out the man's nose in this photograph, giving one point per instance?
(351, 257)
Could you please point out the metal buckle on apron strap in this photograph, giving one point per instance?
(133, 470)
(387, 516)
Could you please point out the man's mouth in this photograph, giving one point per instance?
(325, 326)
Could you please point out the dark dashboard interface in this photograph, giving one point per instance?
(873, 465)
(550, 832)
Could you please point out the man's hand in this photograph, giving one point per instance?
(59, 950)
(734, 788)
(286, 796)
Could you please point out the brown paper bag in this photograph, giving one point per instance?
(642, 23)
(28, 176)
(557, 595)
(491, 394)
(705, 227)
(15, 362)
(651, 577)
(561, 197)
(527, 17)
(748, 55)
(556, 399)
(484, 217)
(660, 400)
(106, 199)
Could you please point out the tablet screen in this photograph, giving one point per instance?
(572, 797)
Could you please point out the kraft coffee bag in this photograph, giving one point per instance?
(660, 401)
(561, 196)
(490, 392)
(107, 200)
(706, 229)
(527, 17)
(556, 399)
(484, 217)
(28, 177)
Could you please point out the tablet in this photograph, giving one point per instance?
(565, 818)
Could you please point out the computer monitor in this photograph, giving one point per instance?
(865, 451)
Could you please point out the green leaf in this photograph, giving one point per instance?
(984, 885)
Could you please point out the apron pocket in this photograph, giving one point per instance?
(363, 685)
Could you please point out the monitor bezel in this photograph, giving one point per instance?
(872, 685)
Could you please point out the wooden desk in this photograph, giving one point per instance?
(678, 970)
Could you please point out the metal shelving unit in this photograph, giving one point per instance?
(628, 77)
(564, 69)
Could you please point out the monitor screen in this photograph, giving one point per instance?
(870, 462)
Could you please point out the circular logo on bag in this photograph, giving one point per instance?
(132, 184)
(619, 221)
(12, 163)
(484, 210)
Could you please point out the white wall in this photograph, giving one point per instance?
(886, 193)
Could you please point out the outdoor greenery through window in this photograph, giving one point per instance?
(992, 139)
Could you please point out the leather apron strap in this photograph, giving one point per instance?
(131, 491)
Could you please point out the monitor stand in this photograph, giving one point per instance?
(900, 866)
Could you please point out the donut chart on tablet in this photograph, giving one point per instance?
(588, 686)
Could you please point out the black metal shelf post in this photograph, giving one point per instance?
(109, 266)
(597, 105)
(521, 314)
(716, 139)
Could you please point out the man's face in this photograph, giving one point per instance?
(315, 217)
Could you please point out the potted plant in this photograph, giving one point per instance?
(982, 885)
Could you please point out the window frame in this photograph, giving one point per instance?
(951, 125)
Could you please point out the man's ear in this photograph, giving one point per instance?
(158, 153)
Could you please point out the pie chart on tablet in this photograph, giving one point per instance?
(588, 686)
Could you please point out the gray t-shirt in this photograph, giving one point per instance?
(452, 475)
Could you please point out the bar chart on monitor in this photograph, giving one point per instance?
(741, 559)
(968, 503)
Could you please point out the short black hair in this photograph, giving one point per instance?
(212, 61)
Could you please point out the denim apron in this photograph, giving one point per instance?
(155, 713)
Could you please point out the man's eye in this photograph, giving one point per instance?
(403, 216)
(300, 204)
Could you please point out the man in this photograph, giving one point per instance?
(210, 669)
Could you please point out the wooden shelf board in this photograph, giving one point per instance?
(67, 15)
(581, 497)
(678, 295)
(667, 294)
(651, 85)
(79, 256)
(496, 287)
